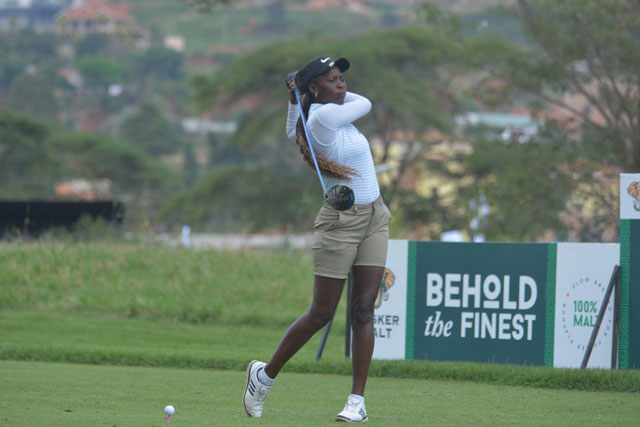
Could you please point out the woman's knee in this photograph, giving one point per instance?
(319, 317)
(361, 312)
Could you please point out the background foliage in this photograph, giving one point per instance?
(573, 65)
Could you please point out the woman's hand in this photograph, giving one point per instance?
(292, 96)
(291, 84)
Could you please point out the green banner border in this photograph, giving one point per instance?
(411, 300)
(550, 325)
(625, 265)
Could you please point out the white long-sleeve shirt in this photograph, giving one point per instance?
(334, 137)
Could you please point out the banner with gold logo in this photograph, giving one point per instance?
(391, 305)
(629, 354)
(630, 196)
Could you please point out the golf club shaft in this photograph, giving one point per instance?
(306, 132)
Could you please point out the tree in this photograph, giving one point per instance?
(191, 166)
(593, 50)
(407, 72)
(576, 51)
(35, 156)
(150, 131)
(32, 94)
(95, 156)
(13, 64)
(221, 151)
(237, 197)
(581, 60)
(161, 63)
(27, 163)
(586, 50)
(22, 49)
(138, 180)
(523, 186)
(276, 20)
(100, 72)
(91, 44)
(577, 72)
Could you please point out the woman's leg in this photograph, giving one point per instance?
(326, 294)
(366, 283)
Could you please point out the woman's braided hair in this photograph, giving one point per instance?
(327, 167)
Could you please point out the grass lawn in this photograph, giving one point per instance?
(37, 393)
(91, 338)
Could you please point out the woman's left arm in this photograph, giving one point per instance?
(293, 114)
(335, 116)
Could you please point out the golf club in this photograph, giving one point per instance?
(339, 196)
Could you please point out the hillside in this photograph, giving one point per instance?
(231, 30)
(216, 37)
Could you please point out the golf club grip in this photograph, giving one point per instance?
(306, 132)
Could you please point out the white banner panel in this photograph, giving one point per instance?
(630, 196)
(582, 276)
(391, 305)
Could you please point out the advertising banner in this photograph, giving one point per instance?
(583, 273)
(480, 302)
(518, 303)
(390, 318)
(629, 354)
(630, 196)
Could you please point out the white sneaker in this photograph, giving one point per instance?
(255, 392)
(354, 412)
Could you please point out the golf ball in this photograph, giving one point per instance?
(169, 410)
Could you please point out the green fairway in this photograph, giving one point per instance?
(85, 338)
(99, 339)
(35, 393)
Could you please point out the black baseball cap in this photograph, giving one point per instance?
(318, 67)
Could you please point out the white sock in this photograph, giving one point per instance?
(355, 396)
(264, 378)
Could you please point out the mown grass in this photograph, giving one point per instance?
(35, 393)
(145, 305)
(99, 339)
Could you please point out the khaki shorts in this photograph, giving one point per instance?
(342, 239)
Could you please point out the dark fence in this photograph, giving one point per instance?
(32, 218)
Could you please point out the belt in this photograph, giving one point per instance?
(373, 205)
(361, 206)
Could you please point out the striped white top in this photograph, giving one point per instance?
(334, 137)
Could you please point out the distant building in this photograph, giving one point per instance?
(71, 76)
(509, 126)
(174, 42)
(202, 126)
(328, 4)
(84, 189)
(97, 17)
(356, 5)
(37, 15)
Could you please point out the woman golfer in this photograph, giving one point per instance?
(350, 240)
